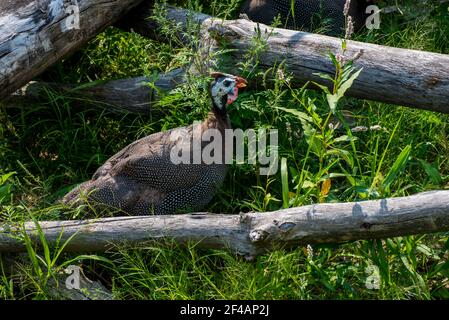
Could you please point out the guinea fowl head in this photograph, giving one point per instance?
(224, 90)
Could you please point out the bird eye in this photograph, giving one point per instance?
(227, 83)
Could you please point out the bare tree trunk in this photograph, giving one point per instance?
(134, 95)
(36, 34)
(251, 233)
(404, 77)
(391, 75)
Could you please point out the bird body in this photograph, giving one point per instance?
(142, 178)
(303, 14)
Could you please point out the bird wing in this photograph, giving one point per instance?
(131, 149)
(148, 161)
(158, 172)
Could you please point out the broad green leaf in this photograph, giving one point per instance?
(86, 257)
(344, 154)
(332, 100)
(397, 168)
(347, 84)
(5, 177)
(301, 115)
(308, 184)
(333, 58)
(324, 88)
(431, 171)
(424, 249)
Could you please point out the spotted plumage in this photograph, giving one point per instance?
(143, 179)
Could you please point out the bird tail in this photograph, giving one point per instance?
(74, 196)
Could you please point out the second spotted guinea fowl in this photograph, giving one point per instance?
(306, 14)
(143, 178)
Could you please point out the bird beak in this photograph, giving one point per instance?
(241, 83)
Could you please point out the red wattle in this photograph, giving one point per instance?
(233, 97)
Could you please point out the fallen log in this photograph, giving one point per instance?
(397, 76)
(36, 34)
(134, 95)
(250, 234)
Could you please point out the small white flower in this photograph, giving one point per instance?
(346, 8)
(375, 128)
(349, 28)
(359, 129)
(309, 251)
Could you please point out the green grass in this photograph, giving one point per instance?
(53, 145)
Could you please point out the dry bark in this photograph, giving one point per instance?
(134, 95)
(250, 234)
(397, 76)
(36, 34)
(391, 75)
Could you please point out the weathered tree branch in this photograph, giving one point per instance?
(36, 34)
(391, 75)
(134, 95)
(252, 233)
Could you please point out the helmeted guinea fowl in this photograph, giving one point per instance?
(143, 178)
(307, 14)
